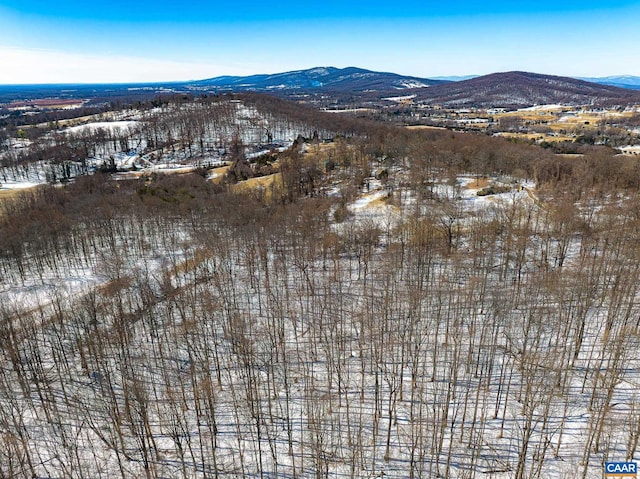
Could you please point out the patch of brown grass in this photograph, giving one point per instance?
(268, 183)
(5, 194)
(219, 172)
(540, 136)
(478, 183)
(425, 127)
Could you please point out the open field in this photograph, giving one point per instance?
(269, 184)
(538, 137)
(425, 127)
(564, 124)
(52, 103)
(529, 115)
(260, 182)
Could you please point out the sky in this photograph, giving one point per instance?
(111, 41)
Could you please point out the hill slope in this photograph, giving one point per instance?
(516, 89)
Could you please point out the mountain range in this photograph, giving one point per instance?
(509, 89)
(328, 78)
(357, 87)
(622, 81)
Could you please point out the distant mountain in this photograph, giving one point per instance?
(455, 77)
(511, 89)
(357, 86)
(622, 81)
(518, 89)
(349, 79)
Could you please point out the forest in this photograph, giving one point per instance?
(364, 314)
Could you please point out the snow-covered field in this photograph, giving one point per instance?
(630, 150)
(112, 126)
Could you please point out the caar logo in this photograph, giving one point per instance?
(620, 469)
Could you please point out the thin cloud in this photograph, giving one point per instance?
(20, 65)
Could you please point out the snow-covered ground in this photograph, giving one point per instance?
(400, 98)
(17, 185)
(549, 107)
(630, 150)
(112, 126)
(152, 141)
(249, 355)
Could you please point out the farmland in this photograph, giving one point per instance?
(552, 125)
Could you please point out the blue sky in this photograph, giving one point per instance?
(140, 40)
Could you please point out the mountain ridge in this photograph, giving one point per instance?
(329, 78)
(354, 86)
(501, 89)
(518, 89)
(623, 81)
